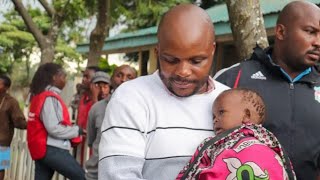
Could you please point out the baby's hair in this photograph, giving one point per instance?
(250, 97)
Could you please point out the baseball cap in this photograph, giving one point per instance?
(100, 76)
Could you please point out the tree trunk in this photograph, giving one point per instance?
(45, 42)
(47, 52)
(247, 26)
(99, 33)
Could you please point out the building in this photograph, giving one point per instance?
(145, 39)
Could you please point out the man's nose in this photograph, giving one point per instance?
(183, 69)
(316, 42)
(124, 79)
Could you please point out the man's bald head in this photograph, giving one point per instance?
(186, 20)
(297, 42)
(125, 66)
(122, 74)
(296, 10)
(185, 50)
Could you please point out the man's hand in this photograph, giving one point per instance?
(95, 90)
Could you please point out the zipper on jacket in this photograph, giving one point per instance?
(291, 86)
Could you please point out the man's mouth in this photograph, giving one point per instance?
(314, 55)
(182, 84)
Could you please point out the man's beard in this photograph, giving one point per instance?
(168, 84)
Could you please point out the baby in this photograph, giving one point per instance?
(242, 148)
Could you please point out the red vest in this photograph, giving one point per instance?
(36, 132)
(84, 107)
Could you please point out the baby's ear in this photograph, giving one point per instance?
(247, 116)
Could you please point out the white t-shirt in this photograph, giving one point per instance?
(149, 133)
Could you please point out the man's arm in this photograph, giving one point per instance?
(17, 116)
(91, 128)
(121, 168)
(51, 116)
(123, 140)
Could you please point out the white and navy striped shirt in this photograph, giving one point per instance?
(148, 133)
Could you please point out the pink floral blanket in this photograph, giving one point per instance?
(249, 152)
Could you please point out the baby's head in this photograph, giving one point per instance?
(235, 107)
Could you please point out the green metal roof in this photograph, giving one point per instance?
(218, 14)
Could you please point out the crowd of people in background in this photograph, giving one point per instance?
(179, 123)
(50, 132)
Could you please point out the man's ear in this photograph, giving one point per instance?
(156, 50)
(54, 77)
(214, 48)
(280, 31)
(247, 116)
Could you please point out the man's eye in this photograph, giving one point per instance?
(197, 60)
(171, 60)
(310, 31)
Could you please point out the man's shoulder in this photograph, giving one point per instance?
(219, 87)
(10, 98)
(141, 84)
(227, 70)
(100, 104)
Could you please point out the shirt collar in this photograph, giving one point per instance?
(302, 74)
(210, 84)
(53, 89)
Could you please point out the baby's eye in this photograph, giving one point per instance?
(221, 112)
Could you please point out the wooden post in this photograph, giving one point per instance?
(140, 63)
(153, 63)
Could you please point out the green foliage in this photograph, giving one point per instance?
(105, 66)
(39, 17)
(141, 13)
(73, 11)
(16, 44)
(5, 62)
(19, 44)
(66, 53)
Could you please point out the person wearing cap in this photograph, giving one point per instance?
(87, 99)
(101, 86)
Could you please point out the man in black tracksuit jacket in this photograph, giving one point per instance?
(287, 78)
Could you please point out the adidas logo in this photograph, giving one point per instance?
(258, 75)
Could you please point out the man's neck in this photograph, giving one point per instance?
(278, 60)
(3, 94)
(203, 89)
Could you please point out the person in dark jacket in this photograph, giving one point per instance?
(11, 117)
(288, 79)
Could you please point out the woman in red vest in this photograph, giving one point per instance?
(50, 133)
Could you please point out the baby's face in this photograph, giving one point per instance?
(228, 112)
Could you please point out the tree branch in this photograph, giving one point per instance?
(33, 28)
(57, 21)
(99, 33)
(63, 13)
(47, 7)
